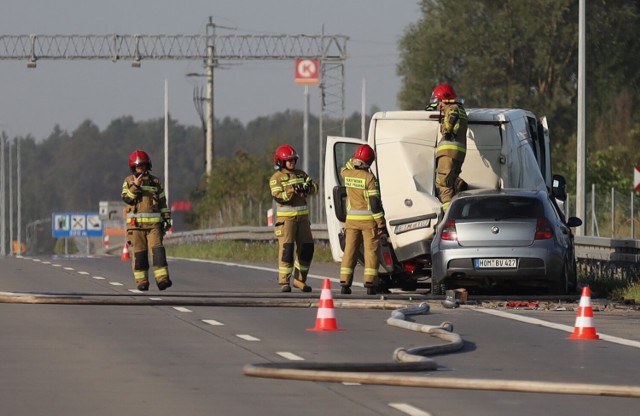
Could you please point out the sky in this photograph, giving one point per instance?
(66, 93)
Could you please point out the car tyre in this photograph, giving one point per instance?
(560, 286)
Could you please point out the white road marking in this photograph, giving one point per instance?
(181, 309)
(247, 337)
(566, 328)
(83, 272)
(135, 291)
(98, 277)
(157, 299)
(212, 322)
(266, 269)
(408, 409)
(347, 383)
(69, 268)
(36, 260)
(289, 356)
(46, 262)
(115, 283)
(57, 265)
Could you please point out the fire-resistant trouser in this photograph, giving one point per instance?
(143, 241)
(360, 232)
(447, 172)
(295, 249)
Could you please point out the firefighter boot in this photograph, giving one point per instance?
(345, 290)
(301, 285)
(371, 288)
(285, 288)
(143, 285)
(165, 284)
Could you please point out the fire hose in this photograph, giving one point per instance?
(415, 360)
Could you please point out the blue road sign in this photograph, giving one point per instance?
(76, 224)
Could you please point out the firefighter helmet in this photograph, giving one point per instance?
(365, 154)
(284, 153)
(443, 92)
(137, 158)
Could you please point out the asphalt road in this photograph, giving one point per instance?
(91, 345)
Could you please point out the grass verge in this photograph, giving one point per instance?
(241, 251)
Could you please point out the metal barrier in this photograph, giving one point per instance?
(595, 255)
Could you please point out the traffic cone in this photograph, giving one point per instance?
(125, 252)
(584, 328)
(326, 318)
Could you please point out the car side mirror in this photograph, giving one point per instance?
(574, 222)
(559, 188)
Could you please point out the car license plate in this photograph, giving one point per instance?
(495, 263)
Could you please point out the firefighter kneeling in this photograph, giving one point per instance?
(148, 219)
(365, 220)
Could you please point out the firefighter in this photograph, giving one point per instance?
(290, 188)
(365, 220)
(148, 219)
(452, 146)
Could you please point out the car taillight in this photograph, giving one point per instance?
(449, 231)
(544, 231)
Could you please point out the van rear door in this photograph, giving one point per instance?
(337, 152)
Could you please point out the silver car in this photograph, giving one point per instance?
(498, 238)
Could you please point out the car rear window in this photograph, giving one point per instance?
(496, 207)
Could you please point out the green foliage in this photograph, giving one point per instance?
(255, 252)
(522, 54)
(236, 193)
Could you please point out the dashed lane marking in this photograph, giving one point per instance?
(289, 356)
(83, 272)
(408, 409)
(247, 337)
(212, 322)
(116, 283)
(98, 277)
(181, 309)
(69, 268)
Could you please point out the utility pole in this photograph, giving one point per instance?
(581, 141)
(209, 99)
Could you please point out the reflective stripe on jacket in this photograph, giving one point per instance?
(363, 195)
(453, 129)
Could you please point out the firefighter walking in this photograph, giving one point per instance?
(290, 188)
(148, 218)
(452, 146)
(365, 222)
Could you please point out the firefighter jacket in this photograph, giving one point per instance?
(147, 204)
(363, 194)
(289, 189)
(453, 128)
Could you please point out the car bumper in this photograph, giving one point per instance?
(531, 264)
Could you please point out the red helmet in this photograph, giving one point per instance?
(284, 153)
(365, 154)
(443, 92)
(139, 157)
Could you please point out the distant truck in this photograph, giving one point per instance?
(506, 148)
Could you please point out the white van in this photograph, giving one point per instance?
(506, 148)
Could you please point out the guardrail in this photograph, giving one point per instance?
(595, 255)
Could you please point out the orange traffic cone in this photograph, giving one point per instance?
(125, 252)
(584, 328)
(326, 318)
